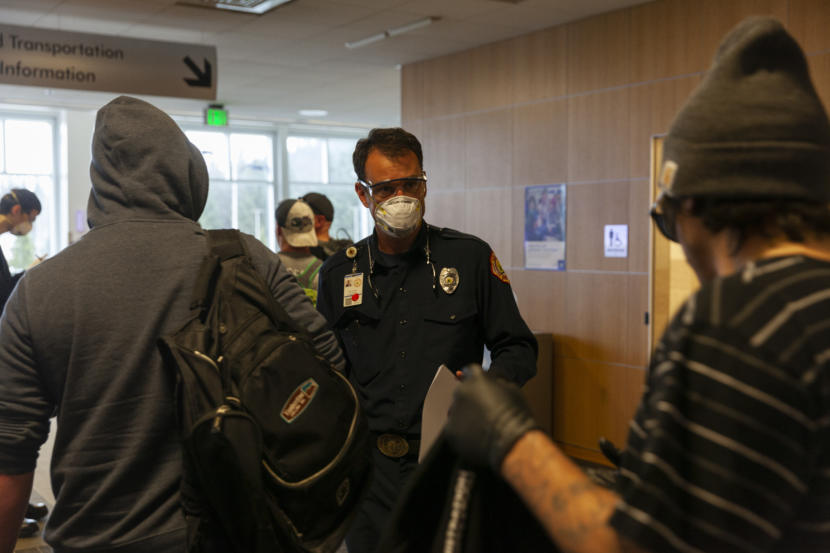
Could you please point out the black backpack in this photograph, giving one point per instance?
(447, 506)
(276, 447)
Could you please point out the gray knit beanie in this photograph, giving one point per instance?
(755, 127)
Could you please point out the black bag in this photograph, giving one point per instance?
(447, 507)
(276, 447)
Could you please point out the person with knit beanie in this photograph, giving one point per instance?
(729, 449)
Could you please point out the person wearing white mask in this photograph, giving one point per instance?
(405, 300)
(18, 210)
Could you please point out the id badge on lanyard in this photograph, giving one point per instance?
(352, 289)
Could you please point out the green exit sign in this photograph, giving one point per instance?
(216, 116)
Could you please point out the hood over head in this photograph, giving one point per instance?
(143, 166)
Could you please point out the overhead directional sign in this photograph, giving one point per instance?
(82, 61)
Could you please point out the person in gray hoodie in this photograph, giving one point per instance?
(78, 341)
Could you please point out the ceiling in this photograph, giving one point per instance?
(294, 57)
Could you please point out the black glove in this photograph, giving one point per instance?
(487, 417)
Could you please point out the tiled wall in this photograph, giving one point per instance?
(577, 104)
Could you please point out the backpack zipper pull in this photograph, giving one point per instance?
(221, 411)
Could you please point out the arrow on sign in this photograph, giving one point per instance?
(203, 78)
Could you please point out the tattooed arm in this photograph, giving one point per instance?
(573, 510)
(491, 424)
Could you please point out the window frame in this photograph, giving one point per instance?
(273, 187)
(53, 208)
(281, 182)
(364, 226)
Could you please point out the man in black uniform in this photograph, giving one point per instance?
(402, 302)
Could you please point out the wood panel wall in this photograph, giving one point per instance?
(578, 104)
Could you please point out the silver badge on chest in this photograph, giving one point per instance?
(448, 279)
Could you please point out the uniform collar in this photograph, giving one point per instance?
(414, 254)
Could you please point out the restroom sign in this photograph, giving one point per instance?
(616, 240)
(82, 61)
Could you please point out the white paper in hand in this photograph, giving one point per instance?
(436, 406)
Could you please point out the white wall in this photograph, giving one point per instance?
(79, 128)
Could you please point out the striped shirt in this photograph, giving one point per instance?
(730, 447)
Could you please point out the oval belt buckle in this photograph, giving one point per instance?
(393, 445)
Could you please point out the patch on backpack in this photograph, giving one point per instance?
(299, 400)
(495, 268)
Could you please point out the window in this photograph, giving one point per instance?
(241, 168)
(244, 179)
(27, 160)
(324, 164)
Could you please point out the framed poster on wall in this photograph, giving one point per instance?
(545, 208)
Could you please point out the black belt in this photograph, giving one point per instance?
(396, 446)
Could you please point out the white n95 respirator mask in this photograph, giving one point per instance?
(398, 216)
(22, 229)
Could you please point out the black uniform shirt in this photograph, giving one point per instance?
(404, 329)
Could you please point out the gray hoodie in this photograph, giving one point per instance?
(78, 340)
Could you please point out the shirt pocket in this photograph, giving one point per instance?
(357, 332)
(453, 334)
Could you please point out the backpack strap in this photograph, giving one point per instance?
(226, 244)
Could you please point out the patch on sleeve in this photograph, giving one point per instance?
(495, 268)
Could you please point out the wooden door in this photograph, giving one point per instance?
(672, 280)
